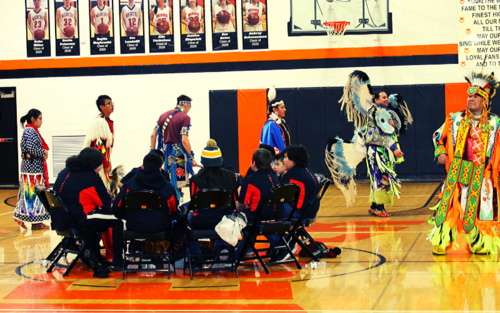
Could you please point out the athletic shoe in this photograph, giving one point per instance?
(438, 251)
(21, 224)
(250, 254)
(223, 258)
(116, 268)
(382, 213)
(283, 255)
(38, 226)
(482, 251)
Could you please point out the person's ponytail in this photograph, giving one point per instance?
(33, 113)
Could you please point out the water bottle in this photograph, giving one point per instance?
(310, 267)
(322, 267)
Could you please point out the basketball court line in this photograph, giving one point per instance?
(396, 271)
(405, 196)
(5, 201)
(198, 287)
(155, 310)
(401, 196)
(8, 238)
(429, 200)
(380, 263)
(369, 232)
(19, 268)
(95, 286)
(381, 218)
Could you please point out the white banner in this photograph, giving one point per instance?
(478, 33)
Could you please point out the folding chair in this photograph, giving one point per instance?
(46, 205)
(146, 201)
(74, 239)
(308, 218)
(208, 199)
(285, 193)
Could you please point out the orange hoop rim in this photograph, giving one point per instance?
(336, 23)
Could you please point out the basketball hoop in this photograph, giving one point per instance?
(335, 31)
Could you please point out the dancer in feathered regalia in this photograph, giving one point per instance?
(378, 120)
(275, 132)
(468, 143)
(101, 135)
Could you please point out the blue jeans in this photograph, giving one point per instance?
(274, 239)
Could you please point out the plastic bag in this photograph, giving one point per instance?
(229, 228)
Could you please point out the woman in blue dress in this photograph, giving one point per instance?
(30, 212)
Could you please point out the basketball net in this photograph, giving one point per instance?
(336, 31)
(334, 26)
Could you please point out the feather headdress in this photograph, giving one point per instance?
(357, 98)
(342, 158)
(483, 84)
(271, 95)
(399, 105)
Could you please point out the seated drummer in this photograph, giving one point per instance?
(212, 175)
(132, 173)
(88, 200)
(148, 177)
(256, 187)
(254, 190)
(296, 162)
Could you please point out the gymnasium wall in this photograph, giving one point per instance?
(420, 51)
(314, 124)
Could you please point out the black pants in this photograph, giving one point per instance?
(98, 222)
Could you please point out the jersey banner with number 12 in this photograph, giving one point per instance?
(131, 26)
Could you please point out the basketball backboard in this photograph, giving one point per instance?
(365, 16)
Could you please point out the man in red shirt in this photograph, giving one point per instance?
(171, 133)
(101, 135)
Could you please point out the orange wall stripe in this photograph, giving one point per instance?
(455, 95)
(252, 108)
(309, 54)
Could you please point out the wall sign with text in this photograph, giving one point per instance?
(131, 26)
(192, 26)
(37, 28)
(255, 34)
(478, 33)
(101, 27)
(224, 36)
(67, 37)
(161, 38)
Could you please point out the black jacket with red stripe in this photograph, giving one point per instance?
(255, 189)
(81, 190)
(148, 221)
(307, 182)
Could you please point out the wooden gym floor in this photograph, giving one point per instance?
(386, 265)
